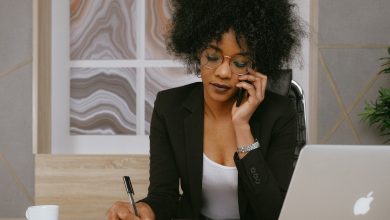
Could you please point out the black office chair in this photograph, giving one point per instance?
(296, 94)
(287, 87)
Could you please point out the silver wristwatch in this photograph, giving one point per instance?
(248, 148)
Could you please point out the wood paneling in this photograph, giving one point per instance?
(85, 186)
(42, 76)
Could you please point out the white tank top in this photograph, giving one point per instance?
(219, 191)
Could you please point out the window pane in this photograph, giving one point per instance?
(157, 15)
(101, 29)
(103, 101)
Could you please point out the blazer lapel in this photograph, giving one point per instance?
(193, 131)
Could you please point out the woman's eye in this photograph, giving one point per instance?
(240, 64)
(212, 57)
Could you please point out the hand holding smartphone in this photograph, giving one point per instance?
(240, 95)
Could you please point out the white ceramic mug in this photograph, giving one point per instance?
(42, 212)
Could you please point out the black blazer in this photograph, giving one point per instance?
(176, 156)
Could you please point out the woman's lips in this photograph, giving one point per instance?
(220, 87)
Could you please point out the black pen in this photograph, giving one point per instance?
(130, 192)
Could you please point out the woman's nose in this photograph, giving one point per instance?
(223, 70)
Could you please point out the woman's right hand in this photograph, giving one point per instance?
(124, 211)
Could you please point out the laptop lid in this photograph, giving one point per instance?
(340, 182)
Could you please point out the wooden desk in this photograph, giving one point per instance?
(85, 186)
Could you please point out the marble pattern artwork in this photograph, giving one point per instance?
(103, 101)
(157, 17)
(102, 30)
(157, 79)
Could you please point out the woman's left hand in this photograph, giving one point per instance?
(255, 91)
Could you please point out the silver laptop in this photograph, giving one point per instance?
(340, 182)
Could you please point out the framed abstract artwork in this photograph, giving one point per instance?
(108, 63)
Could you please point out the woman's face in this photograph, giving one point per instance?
(220, 65)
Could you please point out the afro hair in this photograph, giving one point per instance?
(271, 29)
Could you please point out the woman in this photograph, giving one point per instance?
(232, 160)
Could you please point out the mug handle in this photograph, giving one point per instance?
(28, 213)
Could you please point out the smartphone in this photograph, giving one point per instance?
(240, 95)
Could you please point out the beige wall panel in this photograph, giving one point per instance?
(16, 159)
(12, 218)
(85, 186)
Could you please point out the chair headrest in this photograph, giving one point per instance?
(281, 85)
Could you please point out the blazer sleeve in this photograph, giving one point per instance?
(265, 179)
(163, 191)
